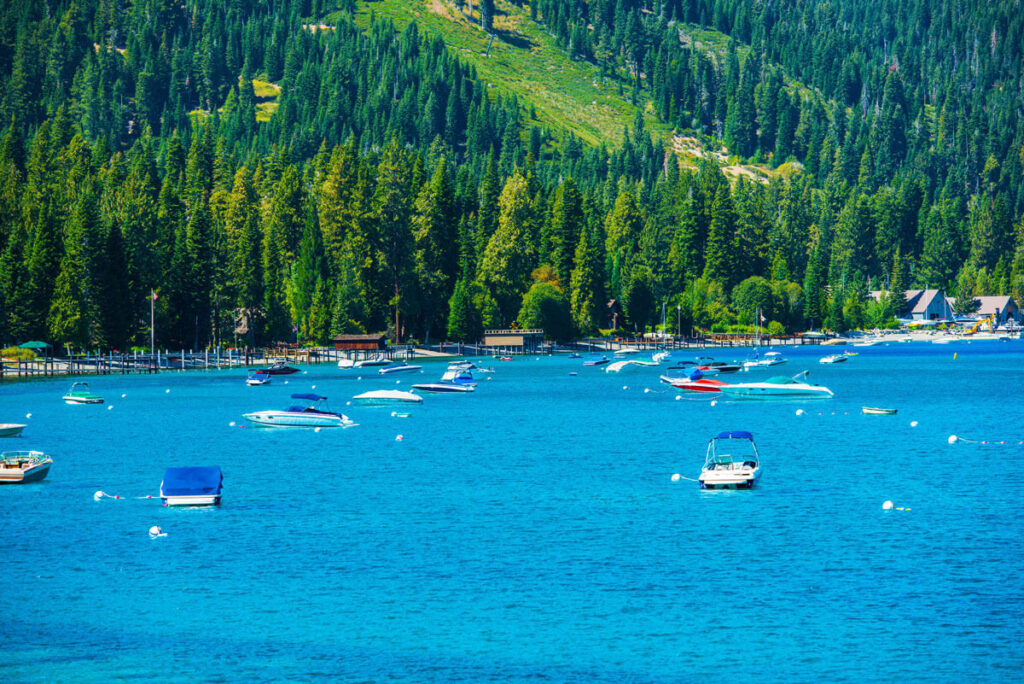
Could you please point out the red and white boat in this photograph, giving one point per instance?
(694, 384)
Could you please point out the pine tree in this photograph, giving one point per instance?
(585, 291)
(463, 318)
(721, 245)
(506, 263)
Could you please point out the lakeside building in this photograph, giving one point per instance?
(1001, 307)
(922, 305)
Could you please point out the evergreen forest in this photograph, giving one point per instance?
(280, 170)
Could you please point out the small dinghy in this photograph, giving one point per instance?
(875, 411)
(80, 394)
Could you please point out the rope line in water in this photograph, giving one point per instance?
(953, 439)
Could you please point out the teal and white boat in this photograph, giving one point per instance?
(80, 394)
(778, 387)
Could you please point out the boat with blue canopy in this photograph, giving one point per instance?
(738, 468)
(313, 412)
(257, 379)
(192, 486)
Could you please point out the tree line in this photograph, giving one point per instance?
(390, 189)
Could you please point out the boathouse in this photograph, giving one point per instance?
(368, 342)
(518, 340)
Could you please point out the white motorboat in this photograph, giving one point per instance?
(626, 351)
(456, 373)
(386, 397)
(658, 357)
(194, 486)
(833, 358)
(17, 467)
(778, 387)
(768, 360)
(876, 411)
(257, 379)
(10, 429)
(616, 366)
(400, 367)
(728, 470)
(446, 387)
(312, 413)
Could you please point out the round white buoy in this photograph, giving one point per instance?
(231, 424)
(110, 408)
(314, 386)
(675, 477)
(678, 398)
(97, 496)
(714, 402)
(913, 423)
(398, 382)
(155, 532)
(316, 429)
(953, 439)
(167, 391)
(348, 403)
(123, 396)
(398, 438)
(647, 390)
(625, 387)
(28, 415)
(286, 382)
(394, 413)
(799, 412)
(887, 506)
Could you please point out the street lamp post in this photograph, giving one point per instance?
(679, 322)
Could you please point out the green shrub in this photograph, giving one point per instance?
(17, 353)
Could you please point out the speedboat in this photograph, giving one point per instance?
(194, 486)
(617, 366)
(385, 397)
(462, 364)
(457, 374)
(875, 411)
(312, 413)
(370, 362)
(574, 355)
(599, 361)
(258, 378)
(778, 387)
(769, 359)
(454, 387)
(11, 429)
(17, 467)
(277, 368)
(658, 357)
(80, 394)
(694, 383)
(728, 471)
(834, 358)
(400, 367)
(706, 363)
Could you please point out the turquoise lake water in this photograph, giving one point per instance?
(528, 531)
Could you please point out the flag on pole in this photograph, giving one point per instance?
(763, 319)
(153, 294)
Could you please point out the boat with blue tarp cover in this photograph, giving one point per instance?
(314, 413)
(192, 486)
(258, 378)
(738, 470)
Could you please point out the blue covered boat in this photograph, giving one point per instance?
(738, 468)
(192, 486)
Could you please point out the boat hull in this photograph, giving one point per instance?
(729, 478)
(32, 471)
(288, 419)
(736, 392)
(874, 411)
(445, 388)
(70, 400)
(387, 399)
(193, 500)
(402, 369)
(10, 429)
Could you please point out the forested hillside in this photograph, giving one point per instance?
(261, 165)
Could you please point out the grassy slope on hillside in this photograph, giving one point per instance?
(525, 60)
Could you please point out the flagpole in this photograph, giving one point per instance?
(152, 298)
